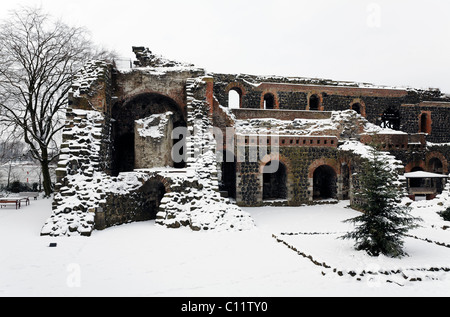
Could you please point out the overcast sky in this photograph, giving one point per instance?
(400, 43)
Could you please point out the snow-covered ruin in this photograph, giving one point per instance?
(162, 141)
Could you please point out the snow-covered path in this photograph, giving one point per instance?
(142, 259)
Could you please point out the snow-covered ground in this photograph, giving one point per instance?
(274, 259)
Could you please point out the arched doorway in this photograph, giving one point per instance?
(269, 101)
(357, 107)
(435, 166)
(125, 114)
(324, 183)
(235, 98)
(228, 183)
(425, 122)
(314, 103)
(274, 183)
(152, 192)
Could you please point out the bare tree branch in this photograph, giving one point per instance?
(39, 57)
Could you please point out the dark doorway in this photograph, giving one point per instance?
(357, 107)
(229, 174)
(325, 183)
(314, 103)
(269, 101)
(425, 123)
(124, 116)
(435, 166)
(417, 182)
(274, 184)
(152, 192)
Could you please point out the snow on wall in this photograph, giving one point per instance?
(201, 207)
(343, 124)
(154, 126)
(89, 74)
(79, 175)
(193, 199)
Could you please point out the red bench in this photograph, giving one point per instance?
(16, 201)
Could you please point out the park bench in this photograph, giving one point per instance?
(13, 200)
(29, 195)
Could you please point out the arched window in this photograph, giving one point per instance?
(124, 137)
(325, 183)
(234, 98)
(269, 101)
(357, 107)
(274, 184)
(425, 123)
(314, 103)
(435, 166)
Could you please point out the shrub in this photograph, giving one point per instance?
(445, 214)
(17, 187)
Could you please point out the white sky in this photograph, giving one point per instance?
(396, 42)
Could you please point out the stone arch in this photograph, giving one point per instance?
(425, 122)
(166, 183)
(325, 183)
(283, 162)
(436, 162)
(237, 87)
(125, 114)
(270, 96)
(141, 204)
(275, 183)
(177, 97)
(323, 175)
(415, 165)
(148, 199)
(323, 161)
(359, 106)
(315, 102)
(275, 157)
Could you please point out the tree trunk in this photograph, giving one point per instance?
(47, 180)
(47, 184)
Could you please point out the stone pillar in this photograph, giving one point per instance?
(311, 189)
(339, 187)
(153, 142)
(209, 92)
(99, 219)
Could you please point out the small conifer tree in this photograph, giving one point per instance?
(382, 226)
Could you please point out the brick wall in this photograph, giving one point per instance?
(293, 94)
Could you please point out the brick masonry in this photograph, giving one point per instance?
(312, 164)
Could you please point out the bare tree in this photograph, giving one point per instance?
(10, 152)
(38, 59)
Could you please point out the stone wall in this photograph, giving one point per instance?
(153, 141)
(141, 204)
(294, 94)
(300, 163)
(244, 114)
